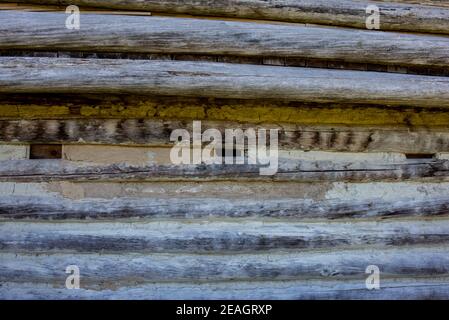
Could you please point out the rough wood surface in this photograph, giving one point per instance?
(288, 170)
(348, 13)
(32, 207)
(422, 288)
(124, 269)
(142, 228)
(157, 133)
(109, 33)
(427, 70)
(218, 80)
(217, 237)
(438, 3)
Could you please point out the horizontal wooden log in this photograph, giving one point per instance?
(438, 3)
(21, 207)
(218, 80)
(427, 70)
(288, 170)
(349, 13)
(157, 133)
(126, 269)
(216, 237)
(109, 33)
(436, 288)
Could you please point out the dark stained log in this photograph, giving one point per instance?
(348, 13)
(157, 133)
(45, 151)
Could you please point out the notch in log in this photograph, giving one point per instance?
(45, 151)
(419, 155)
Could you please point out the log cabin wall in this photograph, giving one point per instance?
(86, 177)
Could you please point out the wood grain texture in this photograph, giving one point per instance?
(438, 3)
(108, 33)
(288, 170)
(424, 288)
(152, 230)
(31, 207)
(218, 80)
(218, 237)
(440, 71)
(222, 199)
(157, 133)
(124, 269)
(348, 13)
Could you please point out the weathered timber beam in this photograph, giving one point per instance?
(111, 33)
(437, 3)
(422, 288)
(115, 236)
(124, 269)
(157, 133)
(21, 207)
(348, 13)
(288, 170)
(218, 80)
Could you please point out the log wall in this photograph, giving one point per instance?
(363, 170)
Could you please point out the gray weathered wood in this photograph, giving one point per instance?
(437, 3)
(421, 288)
(216, 237)
(288, 170)
(157, 133)
(126, 269)
(350, 13)
(20, 207)
(110, 33)
(218, 80)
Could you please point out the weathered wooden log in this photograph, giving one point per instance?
(438, 3)
(349, 13)
(157, 133)
(244, 236)
(287, 170)
(430, 288)
(203, 191)
(440, 71)
(109, 33)
(126, 269)
(45, 208)
(218, 80)
(422, 288)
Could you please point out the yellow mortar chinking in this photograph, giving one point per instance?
(236, 112)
